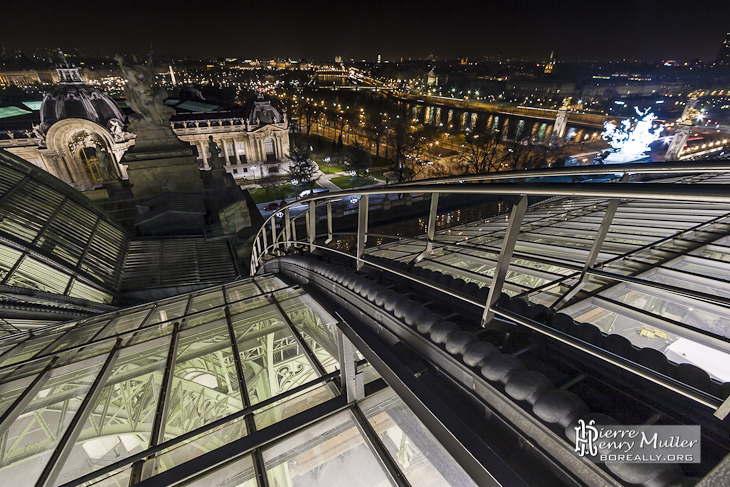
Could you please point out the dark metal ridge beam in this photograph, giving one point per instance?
(475, 457)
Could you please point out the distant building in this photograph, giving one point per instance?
(723, 57)
(551, 64)
(432, 78)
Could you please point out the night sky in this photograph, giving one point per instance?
(314, 29)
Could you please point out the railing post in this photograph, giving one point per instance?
(329, 222)
(266, 242)
(431, 231)
(312, 230)
(293, 233)
(273, 234)
(505, 256)
(287, 229)
(362, 228)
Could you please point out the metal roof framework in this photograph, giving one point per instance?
(252, 367)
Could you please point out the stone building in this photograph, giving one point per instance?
(254, 141)
(76, 122)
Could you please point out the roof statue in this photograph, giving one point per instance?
(215, 160)
(106, 164)
(143, 98)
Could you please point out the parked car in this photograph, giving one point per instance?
(309, 192)
(272, 206)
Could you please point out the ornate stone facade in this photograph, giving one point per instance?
(253, 145)
(249, 150)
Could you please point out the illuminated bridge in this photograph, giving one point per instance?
(463, 356)
(342, 79)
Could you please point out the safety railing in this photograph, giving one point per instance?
(273, 240)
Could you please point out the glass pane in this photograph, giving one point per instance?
(34, 274)
(269, 283)
(272, 360)
(119, 479)
(239, 473)
(168, 311)
(126, 322)
(316, 326)
(332, 452)
(193, 448)
(36, 431)
(121, 420)
(421, 458)
(250, 303)
(205, 384)
(292, 405)
(207, 301)
(205, 316)
(80, 334)
(10, 391)
(237, 292)
(26, 350)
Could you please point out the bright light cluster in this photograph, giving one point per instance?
(633, 136)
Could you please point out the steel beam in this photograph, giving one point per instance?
(157, 435)
(382, 453)
(300, 341)
(505, 256)
(351, 381)
(592, 255)
(273, 233)
(286, 226)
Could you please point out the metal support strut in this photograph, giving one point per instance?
(505, 256)
(433, 213)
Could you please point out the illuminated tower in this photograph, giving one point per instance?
(723, 57)
(549, 66)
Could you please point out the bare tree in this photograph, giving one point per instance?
(307, 113)
(526, 154)
(375, 128)
(269, 182)
(481, 153)
(403, 144)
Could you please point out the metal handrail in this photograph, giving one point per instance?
(708, 193)
(614, 192)
(634, 168)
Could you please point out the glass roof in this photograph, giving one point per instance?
(184, 376)
(54, 240)
(7, 112)
(677, 254)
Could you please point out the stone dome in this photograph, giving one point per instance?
(263, 113)
(73, 98)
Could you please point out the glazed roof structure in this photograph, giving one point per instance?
(367, 359)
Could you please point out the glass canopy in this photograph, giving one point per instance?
(134, 393)
(675, 254)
